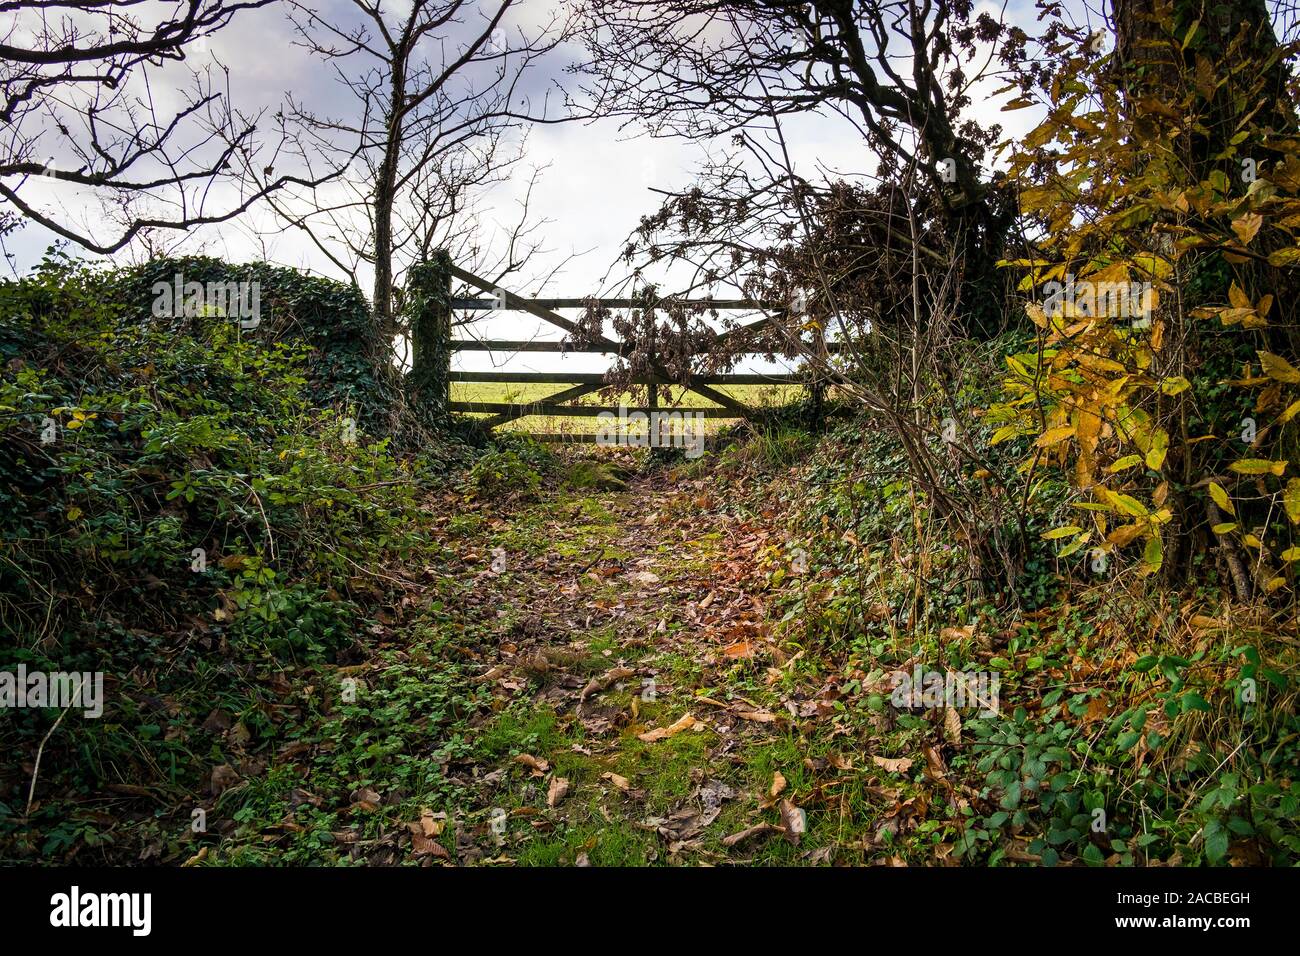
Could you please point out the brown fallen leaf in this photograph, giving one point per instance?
(621, 782)
(555, 793)
(1098, 709)
(430, 823)
(422, 845)
(778, 784)
(747, 833)
(538, 767)
(758, 716)
(659, 733)
(893, 764)
(774, 792)
(604, 680)
(951, 725)
(223, 778)
(738, 650)
(935, 768)
(794, 820)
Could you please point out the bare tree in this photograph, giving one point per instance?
(81, 83)
(900, 71)
(441, 107)
(896, 265)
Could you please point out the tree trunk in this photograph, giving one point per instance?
(429, 305)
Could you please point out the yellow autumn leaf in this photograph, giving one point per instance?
(1064, 532)
(1221, 498)
(1074, 546)
(1258, 466)
(1130, 505)
(1174, 384)
(1291, 500)
(1154, 266)
(1153, 555)
(1291, 554)
(1246, 226)
(1054, 436)
(1123, 535)
(1286, 256)
(1157, 449)
(1128, 461)
(1278, 368)
(1237, 296)
(1224, 527)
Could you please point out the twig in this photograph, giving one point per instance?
(36, 770)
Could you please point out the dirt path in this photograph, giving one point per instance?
(644, 707)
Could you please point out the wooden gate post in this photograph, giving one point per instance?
(429, 302)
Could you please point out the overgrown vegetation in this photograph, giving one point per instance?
(332, 633)
(183, 511)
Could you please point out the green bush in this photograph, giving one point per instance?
(183, 507)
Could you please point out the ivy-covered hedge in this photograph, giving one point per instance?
(347, 363)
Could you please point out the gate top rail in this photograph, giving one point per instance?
(722, 305)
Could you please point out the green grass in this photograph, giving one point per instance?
(754, 395)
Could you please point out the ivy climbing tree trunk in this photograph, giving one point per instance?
(1221, 63)
(429, 301)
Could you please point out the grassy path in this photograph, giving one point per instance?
(588, 677)
(644, 710)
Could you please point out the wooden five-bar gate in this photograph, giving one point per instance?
(581, 384)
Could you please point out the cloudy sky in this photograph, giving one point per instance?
(596, 186)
